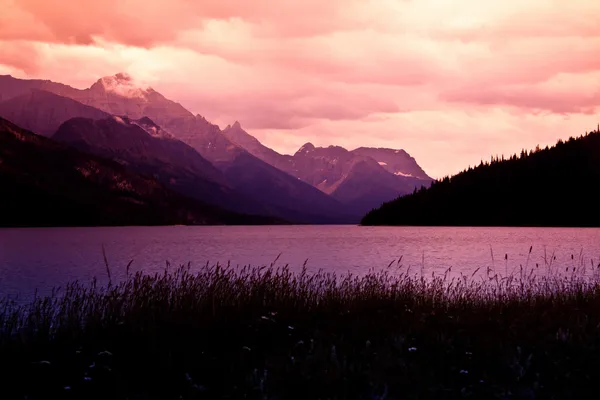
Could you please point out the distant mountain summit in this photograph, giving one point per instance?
(122, 85)
(362, 179)
(397, 162)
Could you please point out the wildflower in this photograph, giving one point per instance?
(411, 349)
(87, 378)
(291, 328)
(468, 353)
(246, 348)
(464, 371)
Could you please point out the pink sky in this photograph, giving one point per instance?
(450, 81)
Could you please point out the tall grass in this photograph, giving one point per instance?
(268, 333)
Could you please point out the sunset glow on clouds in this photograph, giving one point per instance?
(450, 81)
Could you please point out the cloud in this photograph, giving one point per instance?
(143, 23)
(21, 56)
(562, 94)
(452, 81)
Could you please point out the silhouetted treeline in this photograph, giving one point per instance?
(557, 186)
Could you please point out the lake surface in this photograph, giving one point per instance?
(47, 257)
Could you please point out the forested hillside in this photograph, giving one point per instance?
(557, 186)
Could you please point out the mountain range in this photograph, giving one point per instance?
(229, 169)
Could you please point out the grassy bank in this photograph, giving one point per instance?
(270, 334)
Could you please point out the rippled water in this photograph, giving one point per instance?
(42, 258)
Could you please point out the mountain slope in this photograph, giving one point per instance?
(13, 87)
(556, 186)
(171, 161)
(355, 178)
(236, 134)
(289, 197)
(45, 183)
(43, 112)
(140, 144)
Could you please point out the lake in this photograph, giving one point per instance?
(46, 257)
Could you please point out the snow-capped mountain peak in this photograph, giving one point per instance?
(124, 85)
(308, 147)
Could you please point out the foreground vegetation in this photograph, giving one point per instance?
(266, 333)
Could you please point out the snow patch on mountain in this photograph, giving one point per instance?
(381, 163)
(400, 173)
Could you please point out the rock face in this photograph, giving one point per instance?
(45, 183)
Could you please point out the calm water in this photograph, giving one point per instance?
(42, 258)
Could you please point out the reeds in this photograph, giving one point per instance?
(268, 333)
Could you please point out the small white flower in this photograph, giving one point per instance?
(291, 328)
(468, 353)
(411, 349)
(464, 371)
(246, 348)
(87, 378)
